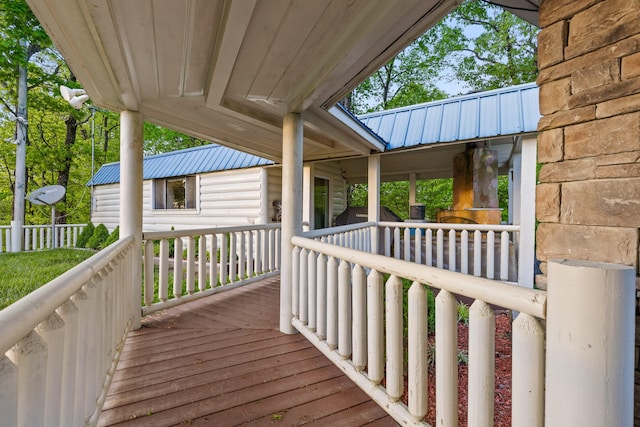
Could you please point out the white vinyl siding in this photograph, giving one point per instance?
(224, 199)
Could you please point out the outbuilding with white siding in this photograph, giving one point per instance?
(209, 186)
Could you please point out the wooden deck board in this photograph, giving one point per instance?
(221, 361)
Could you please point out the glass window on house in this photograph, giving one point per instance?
(321, 214)
(175, 193)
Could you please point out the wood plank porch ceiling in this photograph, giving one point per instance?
(221, 361)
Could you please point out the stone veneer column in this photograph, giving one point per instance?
(588, 199)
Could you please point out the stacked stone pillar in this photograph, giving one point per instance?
(588, 197)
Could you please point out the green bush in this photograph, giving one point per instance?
(86, 234)
(113, 237)
(99, 236)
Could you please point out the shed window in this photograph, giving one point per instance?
(175, 193)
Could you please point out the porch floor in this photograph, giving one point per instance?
(221, 361)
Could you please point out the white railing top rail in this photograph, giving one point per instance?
(170, 234)
(337, 230)
(525, 300)
(452, 226)
(21, 317)
(47, 225)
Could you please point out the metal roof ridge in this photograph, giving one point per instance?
(457, 98)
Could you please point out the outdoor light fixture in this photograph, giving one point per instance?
(75, 97)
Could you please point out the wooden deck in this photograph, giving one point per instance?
(221, 361)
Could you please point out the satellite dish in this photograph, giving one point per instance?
(47, 195)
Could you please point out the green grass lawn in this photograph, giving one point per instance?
(21, 273)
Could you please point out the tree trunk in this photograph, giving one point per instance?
(21, 160)
(63, 175)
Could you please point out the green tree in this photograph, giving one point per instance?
(161, 140)
(483, 46)
(407, 79)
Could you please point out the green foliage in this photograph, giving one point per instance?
(463, 313)
(113, 237)
(86, 234)
(99, 236)
(26, 271)
(484, 46)
(161, 140)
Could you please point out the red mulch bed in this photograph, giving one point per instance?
(502, 403)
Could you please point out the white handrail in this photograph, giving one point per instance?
(494, 292)
(21, 317)
(247, 254)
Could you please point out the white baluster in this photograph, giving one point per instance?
(418, 245)
(213, 261)
(202, 263)
(491, 248)
(504, 255)
(527, 372)
(250, 254)
(9, 381)
(387, 242)
(482, 323)
(321, 309)
(304, 288)
(332, 303)
(69, 314)
(464, 252)
(177, 267)
(428, 247)
(30, 356)
(446, 360)
(163, 273)
(148, 272)
(375, 327)
(477, 253)
(295, 281)
(417, 378)
(233, 257)
(224, 264)
(440, 248)
(359, 298)
(452, 250)
(393, 300)
(344, 309)
(312, 264)
(407, 244)
(51, 331)
(242, 256)
(191, 264)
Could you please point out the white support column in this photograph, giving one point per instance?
(131, 140)
(308, 173)
(265, 207)
(373, 200)
(590, 344)
(527, 212)
(292, 134)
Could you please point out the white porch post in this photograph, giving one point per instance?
(527, 212)
(308, 173)
(292, 133)
(131, 139)
(373, 199)
(590, 344)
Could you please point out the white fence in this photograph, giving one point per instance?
(39, 237)
(206, 261)
(481, 250)
(60, 344)
(343, 306)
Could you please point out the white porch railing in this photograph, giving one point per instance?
(352, 236)
(39, 237)
(222, 259)
(342, 304)
(480, 250)
(59, 345)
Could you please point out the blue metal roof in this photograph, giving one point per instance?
(501, 112)
(206, 158)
